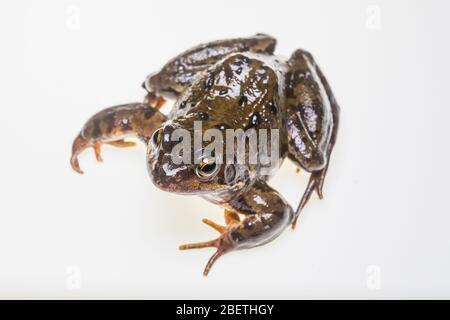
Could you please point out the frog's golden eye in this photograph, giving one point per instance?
(207, 168)
(156, 138)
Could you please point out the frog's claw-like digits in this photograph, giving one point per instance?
(222, 243)
(315, 183)
(266, 216)
(80, 144)
(112, 125)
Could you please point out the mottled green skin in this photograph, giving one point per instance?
(239, 83)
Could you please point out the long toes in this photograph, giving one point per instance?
(294, 223)
(122, 143)
(78, 146)
(97, 151)
(223, 244)
(211, 261)
(214, 225)
(199, 245)
(319, 191)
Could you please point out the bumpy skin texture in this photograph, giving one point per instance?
(230, 84)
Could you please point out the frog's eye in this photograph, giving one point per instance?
(156, 138)
(207, 168)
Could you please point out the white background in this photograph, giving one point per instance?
(382, 230)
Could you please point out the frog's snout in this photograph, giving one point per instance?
(167, 176)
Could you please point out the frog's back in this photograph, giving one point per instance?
(242, 91)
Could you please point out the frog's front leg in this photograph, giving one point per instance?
(266, 213)
(112, 125)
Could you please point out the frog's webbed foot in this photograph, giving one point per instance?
(315, 183)
(223, 243)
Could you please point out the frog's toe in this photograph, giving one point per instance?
(214, 225)
(315, 184)
(122, 143)
(222, 243)
(79, 145)
(98, 151)
(75, 164)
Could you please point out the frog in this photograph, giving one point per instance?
(228, 84)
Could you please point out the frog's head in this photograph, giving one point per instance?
(204, 176)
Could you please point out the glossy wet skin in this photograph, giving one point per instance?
(229, 84)
(241, 92)
(180, 71)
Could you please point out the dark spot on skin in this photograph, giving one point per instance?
(248, 127)
(254, 119)
(237, 237)
(272, 107)
(96, 128)
(182, 105)
(125, 123)
(239, 63)
(209, 82)
(203, 116)
(271, 48)
(148, 113)
(244, 59)
(242, 100)
(110, 120)
(248, 226)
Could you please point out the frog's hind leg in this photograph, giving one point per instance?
(112, 125)
(312, 121)
(267, 214)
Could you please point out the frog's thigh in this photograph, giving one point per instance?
(112, 125)
(266, 214)
(310, 108)
(180, 71)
